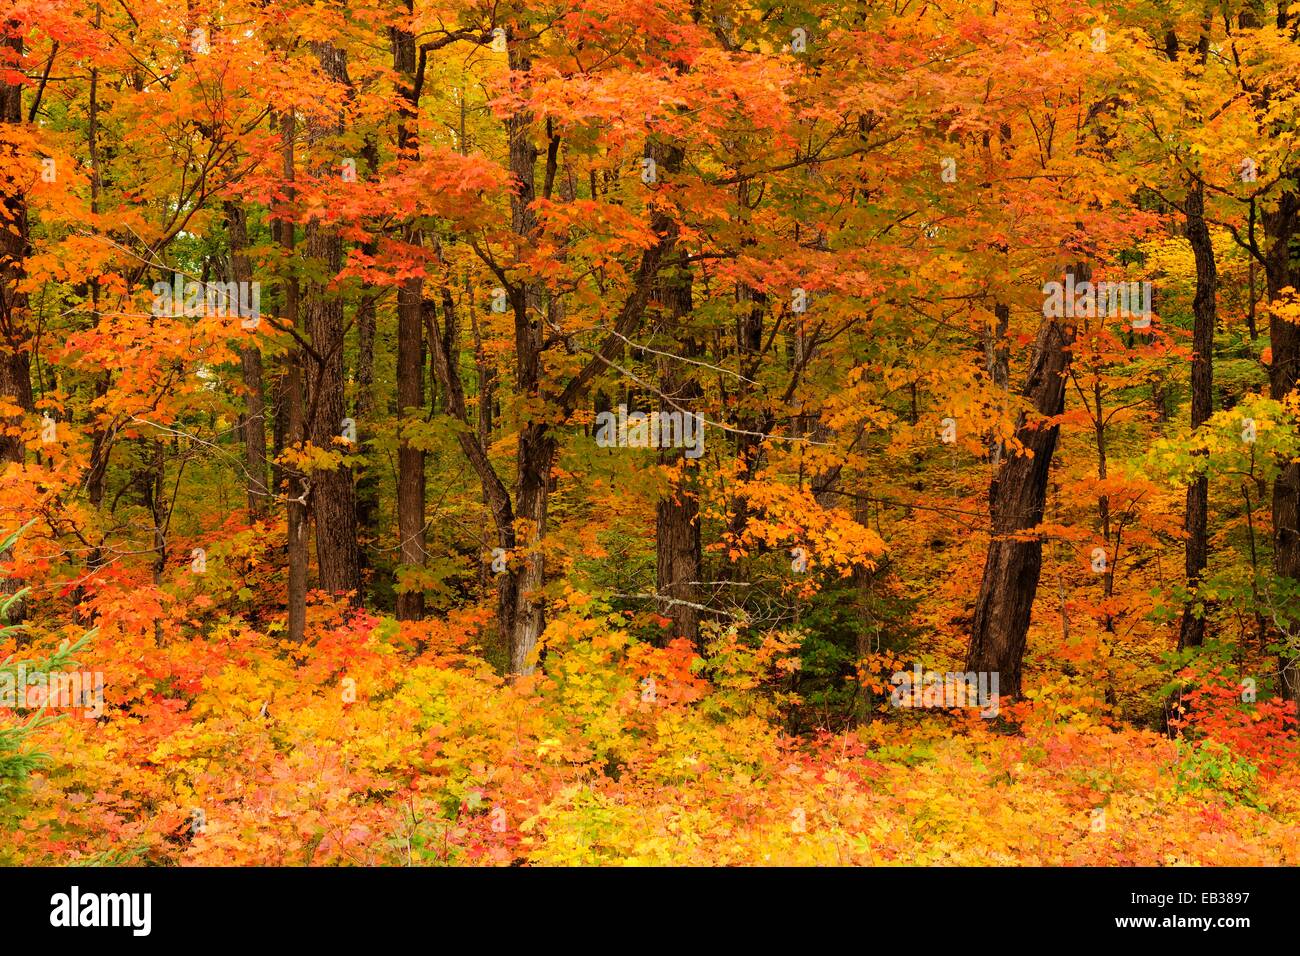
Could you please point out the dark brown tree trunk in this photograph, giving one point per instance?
(527, 618)
(410, 459)
(520, 600)
(333, 498)
(15, 357)
(363, 412)
(410, 349)
(364, 401)
(1017, 497)
(677, 548)
(15, 336)
(101, 444)
(1191, 631)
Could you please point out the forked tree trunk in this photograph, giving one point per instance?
(1017, 497)
(521, 523)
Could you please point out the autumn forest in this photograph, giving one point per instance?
(652, 432)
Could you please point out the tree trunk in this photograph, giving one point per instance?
(410, 459)
(15, 336)
(363, 412)
(527, 619)
(1017, 497)
(410, 348)
(292, 411)
(15, 357)
(333, 498)
(1191, 631)
(521, 524)
(1280, 225)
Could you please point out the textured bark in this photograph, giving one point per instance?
(997, 362)
(1191, 631)
(410, 460)
(410, 350)
(1280, 226)
(1017, 497)
(520, 602)
(333, 498)
(363, 412)
(535, 453)
(15, 336)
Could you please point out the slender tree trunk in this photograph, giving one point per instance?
(410, 459)
(1191, 631)
(521, 524)
(1017, 497)
(15, 357)
(443, 342)
(100, 443)
(292, 404)
(1280, 225)
(363, 412)
(15, 336)
(363, 403)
